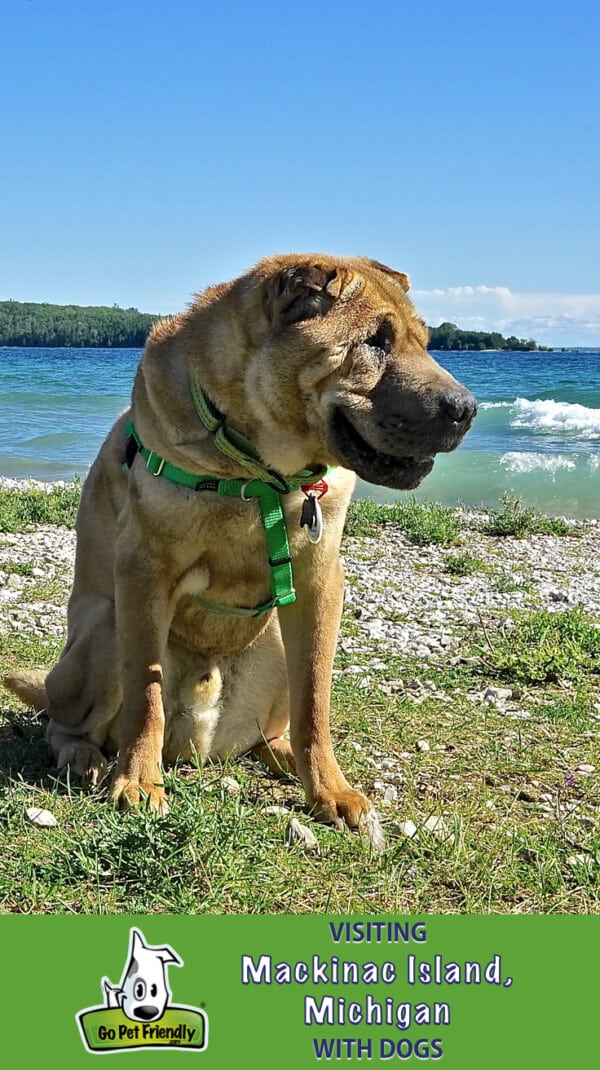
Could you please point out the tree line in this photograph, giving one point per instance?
(28, 324)
(449, 336)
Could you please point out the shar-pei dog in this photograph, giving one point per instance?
(208, 589)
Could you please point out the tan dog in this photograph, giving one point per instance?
(316, 361)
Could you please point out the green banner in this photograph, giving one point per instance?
(111, 1030)
(277, 991)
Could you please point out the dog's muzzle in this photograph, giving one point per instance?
(394, 443)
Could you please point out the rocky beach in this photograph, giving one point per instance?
(401, 598)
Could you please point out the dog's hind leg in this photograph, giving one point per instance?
(84, 691)
(86, 677)
(73, 748)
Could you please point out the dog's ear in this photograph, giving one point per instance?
(168, 956)
(137, 941)
(398, 276)
(302, 292)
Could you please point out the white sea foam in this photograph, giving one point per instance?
(548, 415)
(522, 463)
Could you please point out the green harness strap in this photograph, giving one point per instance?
(267, 487)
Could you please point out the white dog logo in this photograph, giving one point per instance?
(143, 993)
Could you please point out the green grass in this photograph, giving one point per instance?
(422, 523)
(548, 647)
(464, 564)
(218, 853)
(516, 519)
(504, 582)
(50, 590)
(506, 780)
(20, 509)
(19, 568)
(576, 708)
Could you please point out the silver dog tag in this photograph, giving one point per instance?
(312, 518)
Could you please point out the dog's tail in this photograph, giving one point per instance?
(30, 686)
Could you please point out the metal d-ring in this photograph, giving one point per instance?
(161, 465)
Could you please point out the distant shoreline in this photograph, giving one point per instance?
(433, 349)
(29, 324)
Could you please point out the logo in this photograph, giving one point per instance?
(138, 1013)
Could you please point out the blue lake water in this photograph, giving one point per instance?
(537, 433)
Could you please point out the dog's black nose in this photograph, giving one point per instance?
(459, 405)
(147, 1012)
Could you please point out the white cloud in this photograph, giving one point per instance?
(550, 318)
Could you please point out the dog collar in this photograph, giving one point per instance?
(233, 445)
(269, 500)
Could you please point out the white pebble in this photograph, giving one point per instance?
(230, 785)
(42, 818)
(439, 827)
(580, 860)
(406, 828)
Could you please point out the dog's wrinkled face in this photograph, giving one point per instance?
(346, 342)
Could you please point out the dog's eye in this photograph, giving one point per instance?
(139, 989)
(153, 990)
(382, 339)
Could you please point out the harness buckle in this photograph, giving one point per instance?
(160, 467)
(276, 561)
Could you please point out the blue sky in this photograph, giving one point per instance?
(149, 148)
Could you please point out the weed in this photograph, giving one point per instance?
(54, 589)
(365, 517)
(515, 518)
(422, 523)
(510, 581)
(19, 509)
(572, 708)
(18, 568)
(464, 564)
(547, 647)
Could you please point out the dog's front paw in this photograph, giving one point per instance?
(128, 792)
(342, 805)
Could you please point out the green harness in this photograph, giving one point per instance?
(266, 486)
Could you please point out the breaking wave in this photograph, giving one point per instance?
(521, 463)
(548, 415)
